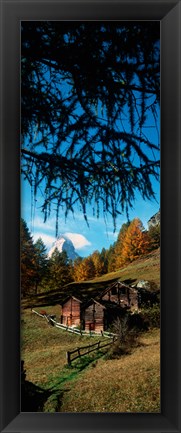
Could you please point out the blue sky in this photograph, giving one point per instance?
(85, 239)
(99, 234)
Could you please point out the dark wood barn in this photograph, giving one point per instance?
(98, 316)
(121, 294)
(93, 316)
(71, 311)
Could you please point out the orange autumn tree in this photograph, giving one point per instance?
(119, 262)
(84, 269)
(135, 243)
(99, 263)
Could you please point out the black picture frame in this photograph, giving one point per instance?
(169, 15)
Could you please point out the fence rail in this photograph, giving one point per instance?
(53, 322)
(97, 346)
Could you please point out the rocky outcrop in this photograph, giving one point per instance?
(154, 220)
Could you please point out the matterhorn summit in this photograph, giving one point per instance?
(63, 243)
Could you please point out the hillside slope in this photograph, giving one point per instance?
(130, 383)
(145, 268)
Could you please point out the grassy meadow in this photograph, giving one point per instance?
(93, 383)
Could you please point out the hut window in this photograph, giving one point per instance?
(114, 291)
(122, 291)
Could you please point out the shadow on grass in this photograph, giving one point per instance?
(33, 397)
(86, 361)
(36, 399)
(54, 297)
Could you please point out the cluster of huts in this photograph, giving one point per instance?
(98, 314)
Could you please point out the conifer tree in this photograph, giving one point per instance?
(104, 259)
(99, 263)
(28, 261)
(60, 269)
(85, 270)
(154, 236)
(76, 265)
(119, 261)
(135, 243)
(111, 258)
(41, 264)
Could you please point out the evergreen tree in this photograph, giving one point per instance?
(111, 258)
(60, 269)
(119, 246)
(87, 91)
(154, 236)
(28, 261)
(104, 259)
(99, 263)
(41, 264)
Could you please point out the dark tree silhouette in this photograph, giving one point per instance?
(28, 267)
(41, 264)
(90, 94)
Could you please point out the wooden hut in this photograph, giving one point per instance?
(71, 311)
(98, 316)
(121, 294)
(94, 316)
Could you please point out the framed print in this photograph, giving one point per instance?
(69, 141)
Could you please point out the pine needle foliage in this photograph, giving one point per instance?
(28, 261)
(90, 91)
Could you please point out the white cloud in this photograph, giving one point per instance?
(79, 241)
(49, 225)
(47, 239)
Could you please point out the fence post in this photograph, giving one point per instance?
(68, 358)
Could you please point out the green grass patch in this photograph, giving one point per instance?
(43, 350)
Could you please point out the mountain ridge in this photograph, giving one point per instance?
(63, 243)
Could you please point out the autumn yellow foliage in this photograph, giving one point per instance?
(135, 243)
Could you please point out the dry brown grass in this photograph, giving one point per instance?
(128, 384)
(44, 348)
(145, 268)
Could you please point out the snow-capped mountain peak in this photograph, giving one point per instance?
(63, 243)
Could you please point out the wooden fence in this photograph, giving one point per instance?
(90, 348)
(53, 322)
